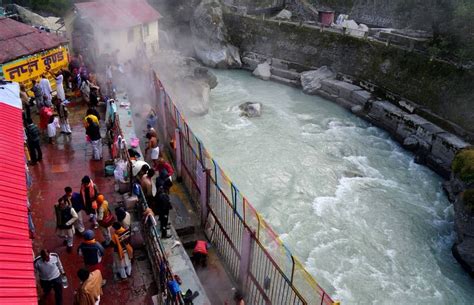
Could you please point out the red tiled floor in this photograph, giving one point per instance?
(64, 164)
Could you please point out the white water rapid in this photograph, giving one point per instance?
(372, 226)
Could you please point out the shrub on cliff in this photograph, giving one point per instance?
(468, 199)
(463, 165)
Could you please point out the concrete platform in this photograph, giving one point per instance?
(64, 164)
(178, 259)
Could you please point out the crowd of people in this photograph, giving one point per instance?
(73, 207)
(154, 175)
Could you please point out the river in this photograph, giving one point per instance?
(372, 226)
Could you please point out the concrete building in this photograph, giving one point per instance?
(26, 52)
(120, 27)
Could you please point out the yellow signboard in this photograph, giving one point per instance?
(26, 69)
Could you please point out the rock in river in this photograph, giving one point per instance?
(263, 71)
(251, 109)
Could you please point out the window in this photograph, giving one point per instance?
(130, 35)
(146, 30)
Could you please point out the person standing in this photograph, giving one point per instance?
(45, 86)
(105, 218)
(63, 117)
(38, 95)
(49, 269)
(85, 89)
(94, 96)
(74, 200)
(153, 148)
(123, 251)
(163, 165)
(65, 218)
(147, 185)
(92, 110)
(89, 194)
(92, 252)
(52, 125)
(123, 217)
(93, 132)
(164, 180)
(91, 287)
(25, 103)
(59, 86)
(163, 207)
(33, 140)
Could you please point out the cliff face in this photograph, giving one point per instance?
(441, 87)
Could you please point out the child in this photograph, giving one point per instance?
(52, 125)
(63, 116)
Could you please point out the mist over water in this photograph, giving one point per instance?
(372, 226)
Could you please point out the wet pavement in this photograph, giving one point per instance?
(64, 164)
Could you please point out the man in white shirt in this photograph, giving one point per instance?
(49, 269)
(45, 86)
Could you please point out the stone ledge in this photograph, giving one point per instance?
(291, 75)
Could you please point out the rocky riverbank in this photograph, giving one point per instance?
(440, 150)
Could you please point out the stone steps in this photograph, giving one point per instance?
(285, 81)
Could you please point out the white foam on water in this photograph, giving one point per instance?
(305, 117)
(362, 164)
(239, 124)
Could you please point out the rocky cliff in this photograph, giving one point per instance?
(460, 189)
(440, 87)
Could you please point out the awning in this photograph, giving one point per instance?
(17, 278)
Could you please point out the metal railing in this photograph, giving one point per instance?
(162, 271)
(253, 253)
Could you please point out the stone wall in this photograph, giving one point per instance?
(438, 87)
(420, 15)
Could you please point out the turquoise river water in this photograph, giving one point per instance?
(372, 226)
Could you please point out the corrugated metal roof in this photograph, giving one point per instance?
(18, 39)
(117, 14)
(17, 279)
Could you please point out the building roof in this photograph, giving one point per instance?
(17, 278)
(18, 39)
(117, 14)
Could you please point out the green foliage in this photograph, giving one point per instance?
(463, 165)
(46, 7)
(463, 27)
(468, 200)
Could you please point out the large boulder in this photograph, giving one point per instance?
(251, 109)
(263, 71)
(284, 15)
(210, 37)
(311, 80)
(178, 72)
(357, 30)
(202, 73)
